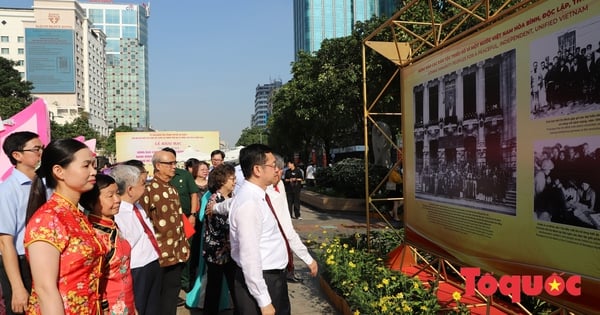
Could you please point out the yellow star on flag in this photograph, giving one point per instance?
(554, 285)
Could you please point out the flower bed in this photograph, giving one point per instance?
(367, 285)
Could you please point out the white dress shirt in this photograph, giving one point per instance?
(256, 242)
(279, 201)
(142, 250)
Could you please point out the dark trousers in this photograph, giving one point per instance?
(188, 275)
(146, 288)
(171, 285)
(214, 285)
(5, 283)
(278, 290)
(293, 197)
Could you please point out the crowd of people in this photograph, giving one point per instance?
(572, 76)
(77, 239)
(565, 185)
(467, 181)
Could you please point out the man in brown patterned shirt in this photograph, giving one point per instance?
(161, 202)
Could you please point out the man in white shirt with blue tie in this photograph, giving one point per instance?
(258, 245)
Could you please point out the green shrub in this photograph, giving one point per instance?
(347, 178)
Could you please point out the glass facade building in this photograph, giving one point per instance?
(316, 20)
(126, 29)
(263, 104)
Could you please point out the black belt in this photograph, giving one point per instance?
(274, 271)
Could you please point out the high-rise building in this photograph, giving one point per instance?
(83, 58)
(55, 48)
(126, 29)
(316, 20)
(263, 103)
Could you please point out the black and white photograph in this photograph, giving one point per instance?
(566, 181)
(465, 136)
(565, 71)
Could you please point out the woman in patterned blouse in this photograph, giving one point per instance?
(62, 248)
(116, 285)
(217, 248)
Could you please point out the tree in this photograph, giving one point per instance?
(15, 94)
(110, 143)
(78, 127)
(252, 135)
(322, 104)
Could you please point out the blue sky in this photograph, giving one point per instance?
(207, 57)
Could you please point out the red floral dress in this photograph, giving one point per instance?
(60, 223)
(116, 284)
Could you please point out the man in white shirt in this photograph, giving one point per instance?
(136, 228)
(279, 200)
(257, 244)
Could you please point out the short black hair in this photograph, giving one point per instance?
(215, 152)
(89, 199)
(16, 142)
(254, 154)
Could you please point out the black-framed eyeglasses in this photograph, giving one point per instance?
(172, 163)
(274, 165)
(35, 149)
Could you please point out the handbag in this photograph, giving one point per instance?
(188, 228)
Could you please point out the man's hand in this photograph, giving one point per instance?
(314, 268)
(209, 207)
(20, 299)
(267, 310)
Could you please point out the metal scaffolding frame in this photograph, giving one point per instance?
(412, 41)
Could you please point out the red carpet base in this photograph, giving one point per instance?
(403, 263)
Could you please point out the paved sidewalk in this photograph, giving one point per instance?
(306, 297)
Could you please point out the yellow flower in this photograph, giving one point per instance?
(324, 232)
(351, 264)
(415, 285)
(351, 251)
(357, 312)
(406, 307)
(400, 295)
(379, 286)
(456, 296)
(366, 288)
(385, 281)
(424, 307)
(383, 308)
(393, 278)
(345, 245)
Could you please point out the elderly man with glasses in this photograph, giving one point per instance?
(161, 203)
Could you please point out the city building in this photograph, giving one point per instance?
(126, 29)
(263, 104)
(83, 59)
(316, 20)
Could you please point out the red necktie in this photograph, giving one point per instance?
(149, 233)
(290, 265)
